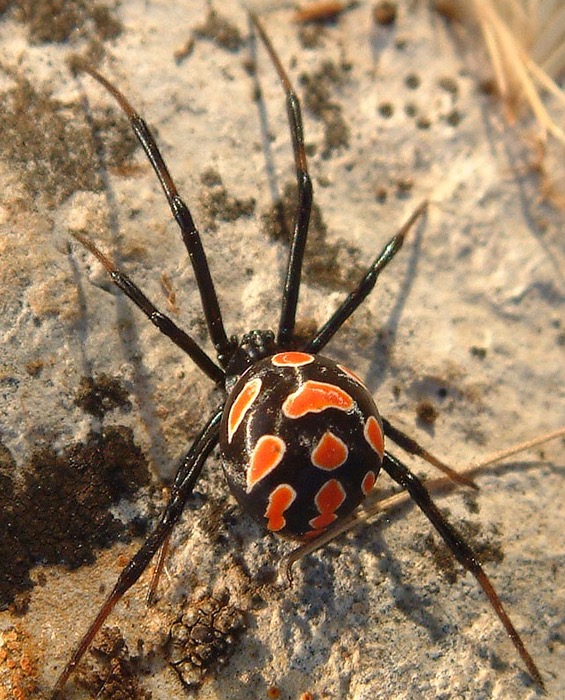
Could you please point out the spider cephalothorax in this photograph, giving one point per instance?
(301, 438)
(252, 347)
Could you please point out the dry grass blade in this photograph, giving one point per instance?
(525, 41)
(442, 482)
(374, 508)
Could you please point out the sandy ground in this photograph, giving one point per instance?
(462, 345)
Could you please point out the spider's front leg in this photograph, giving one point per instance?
(291, 291)
(185, 480)
(190, 235)
(160, 320)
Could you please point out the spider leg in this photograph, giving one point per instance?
(412, 447)
(357, 296)
(460, 550)
(398, 500)
(294, 268)
(185, 480)
(183, 217)
(158, 570)
(165, 324)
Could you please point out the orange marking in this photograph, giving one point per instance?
(368, 482)
(280, 500)
(242, 404)
(292, 359)
(374, 435)
(266, 455)
(311, 534)
(351, 374)
(330, 452)
(328, 500)
(315, 397)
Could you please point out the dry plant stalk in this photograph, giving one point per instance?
(319, 11)
(375, 507)
(525, 40)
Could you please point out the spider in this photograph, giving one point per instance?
(301, 439)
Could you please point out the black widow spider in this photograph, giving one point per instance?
(301, 439)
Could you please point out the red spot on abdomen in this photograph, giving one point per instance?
(314, 397)
(328, 500)
(331, 452)
(280, 500)
(242, 404)
(292, 359)
(266, 455)
(374, 435)
(368, 482)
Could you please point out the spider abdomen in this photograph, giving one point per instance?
(301, 442)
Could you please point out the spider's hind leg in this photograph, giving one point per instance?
(460, 550)
(185, 480)
(414, 448)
